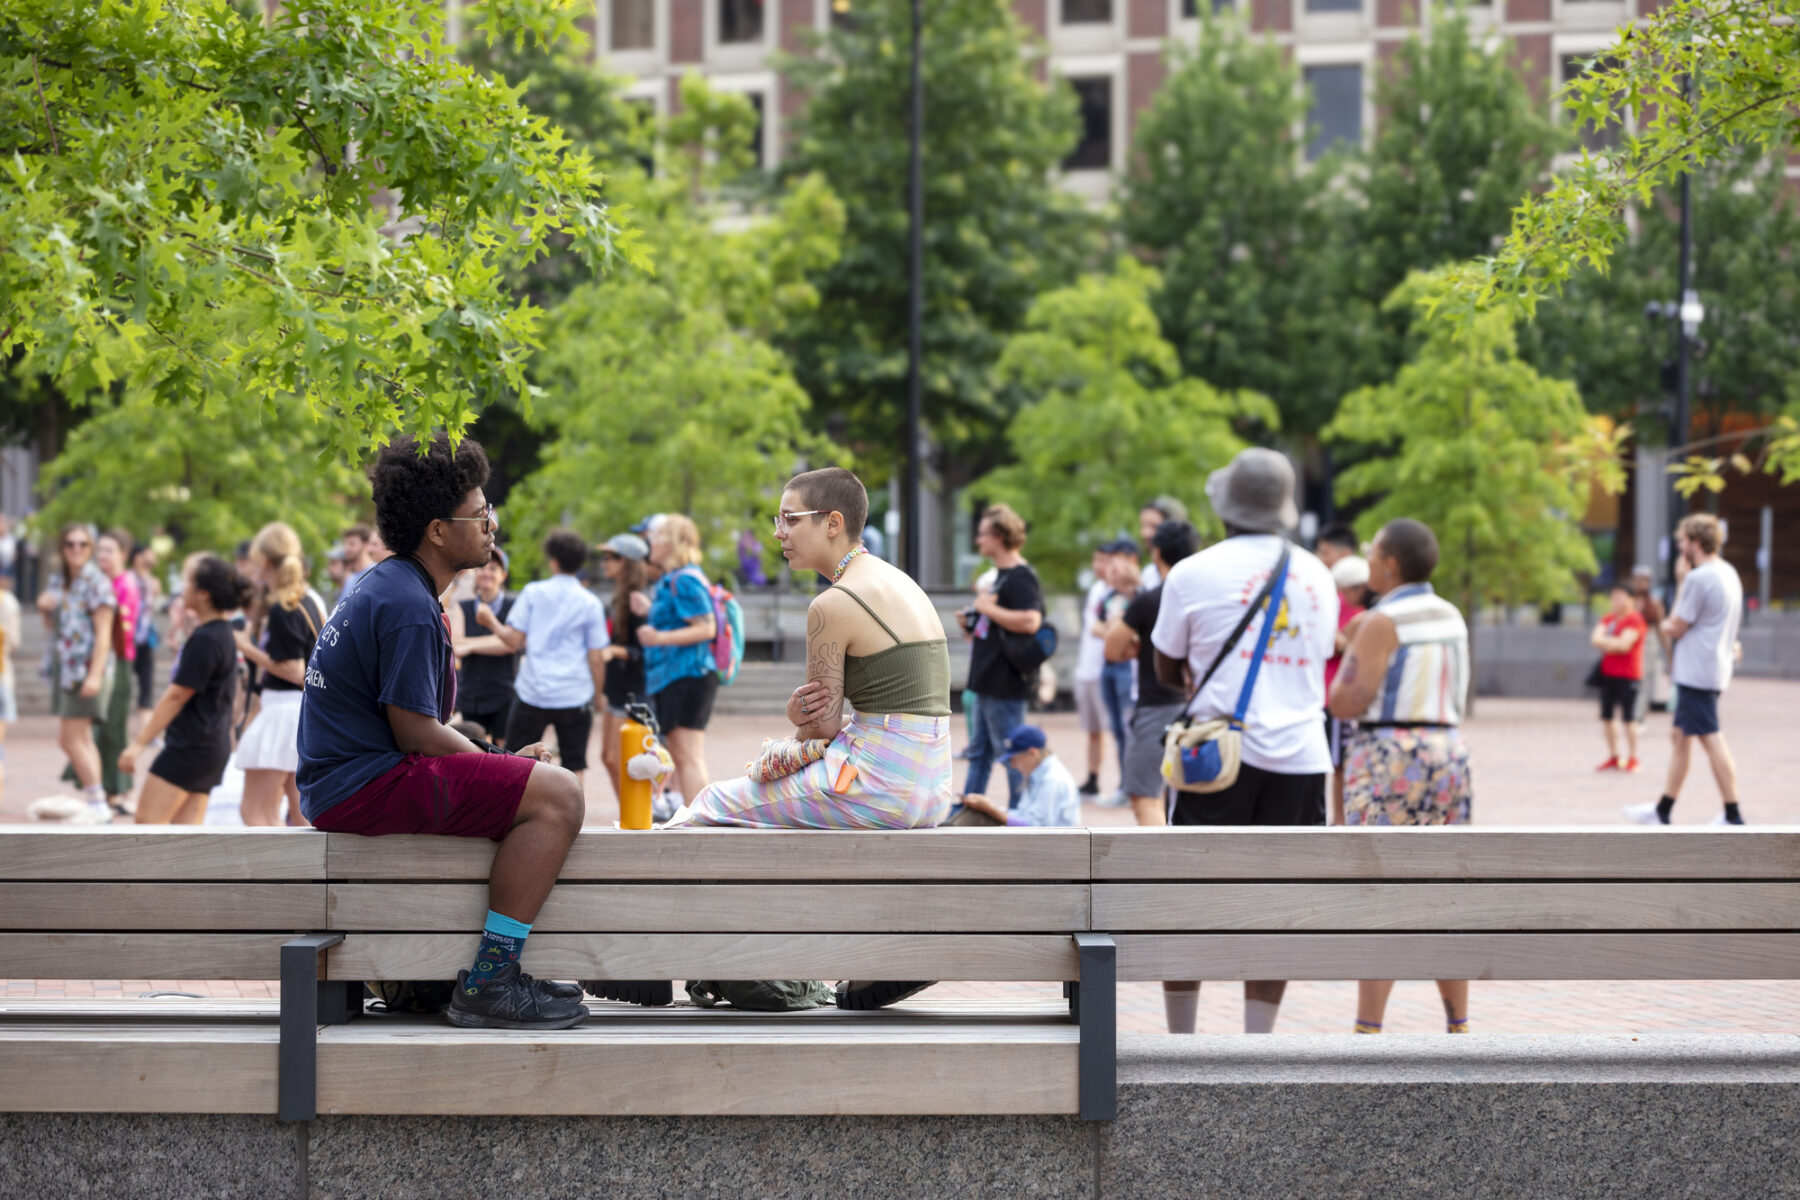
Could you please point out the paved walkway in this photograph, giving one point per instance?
(1534, 765)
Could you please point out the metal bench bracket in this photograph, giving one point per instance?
(1094, 1004)
(306, 1003)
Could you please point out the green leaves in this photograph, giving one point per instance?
(229, 216)
(1109, 421)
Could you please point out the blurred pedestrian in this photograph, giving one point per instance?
(1014, 605)
(679, 669)
(112, 730)
(1404, 680)
(1118, 678)
(1150, 517)
(1656, 647)
(1704, 629)
(193, 717)
(146, 636)
(1158, 705)
(625, 561)
(78, 605)
(1205, 601)
(1336, 543)
(357, 556)
(9, 641)
(1620, 637)
(1090, 661)
(487, 668)
(561, 627)
(1351, 575)
(278, 645)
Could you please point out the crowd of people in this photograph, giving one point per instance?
(1246, 682)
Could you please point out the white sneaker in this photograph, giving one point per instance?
(662, 807)
(1719, 819)
(1117, 799)
(1645, 814)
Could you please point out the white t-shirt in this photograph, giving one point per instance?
(1151, 577)
(1203, 599)
(1090, 654)
(1711, 602)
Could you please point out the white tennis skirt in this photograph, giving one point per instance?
(272, 742)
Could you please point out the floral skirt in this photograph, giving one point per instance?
(1406, 775)
(879, 772)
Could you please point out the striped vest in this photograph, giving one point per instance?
(1428, 676)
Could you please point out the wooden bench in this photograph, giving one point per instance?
(325, 912)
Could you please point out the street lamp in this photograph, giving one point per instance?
(915, 187)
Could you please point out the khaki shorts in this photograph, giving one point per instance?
(1090, 709)
(70, 704)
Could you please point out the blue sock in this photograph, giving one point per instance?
(502, 941)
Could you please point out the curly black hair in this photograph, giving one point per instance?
(565, 548)
(221, 582)
(412, 490)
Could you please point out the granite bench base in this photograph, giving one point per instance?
(1673, 1115)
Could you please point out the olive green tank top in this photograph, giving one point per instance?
(907, 677)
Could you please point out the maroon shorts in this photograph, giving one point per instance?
(456, 795)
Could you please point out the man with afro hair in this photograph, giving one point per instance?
(377, 755)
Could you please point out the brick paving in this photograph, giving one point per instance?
(1534, 765)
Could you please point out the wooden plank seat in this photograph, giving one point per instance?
(1450, 903)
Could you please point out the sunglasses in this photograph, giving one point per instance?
(74, 545)
(784, 521)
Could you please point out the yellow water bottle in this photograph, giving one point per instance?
(636, 736)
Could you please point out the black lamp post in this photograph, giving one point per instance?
(915, 187)
(1686, 313)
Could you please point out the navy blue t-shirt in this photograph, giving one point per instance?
(386, 643)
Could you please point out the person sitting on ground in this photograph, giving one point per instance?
(1051, 797)
(874, 642)
(377, 755)
(196, 708)
(1620, 638)
(1404, 680)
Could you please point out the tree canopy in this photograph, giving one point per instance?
(1110, 420)
(228, 214)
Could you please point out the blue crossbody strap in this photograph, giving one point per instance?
(1262, 639)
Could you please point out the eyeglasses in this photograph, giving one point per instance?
(73, 545)
(489, 518)
(784, 521)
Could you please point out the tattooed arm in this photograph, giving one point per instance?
(1358, 680)
(817, 707)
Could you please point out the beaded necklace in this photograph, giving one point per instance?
(844, 562)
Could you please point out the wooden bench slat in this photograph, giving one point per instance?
(775, 855)
(1440, 907)
(1010, 957)
(725, 908)
(36, 907)
(804, 1068)
(162, 853)
(1460, 956)
(131, 1068)
(142, 955)
(1461, 852)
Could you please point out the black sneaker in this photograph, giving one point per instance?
(513, 1000)
(860, 995)
(1091, 787)
(654, 994)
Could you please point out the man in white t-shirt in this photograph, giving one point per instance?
(1285, 759)
(1704, 630)
(1090, 660)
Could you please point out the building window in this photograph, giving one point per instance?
(1333, 6)
(1574, 66)
(1086, 12)
(1190, 9)
(1094, 150)
(633, 25)
(1335, 111)
(740, 21)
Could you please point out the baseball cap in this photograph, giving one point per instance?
(1025, 737)
(1350, 571)
(1119, 545)
(626, 545)
(505, 562)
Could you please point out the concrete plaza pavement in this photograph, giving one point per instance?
(1534, 765)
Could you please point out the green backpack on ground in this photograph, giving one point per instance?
(761, 995)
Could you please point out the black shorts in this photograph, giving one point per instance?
(191, 768)
(573, 728)
(686, 703)
(1697, 711)
(1258, 797)
(1618, 695)
(495, 721)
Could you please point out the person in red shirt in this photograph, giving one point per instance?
(1620, 639)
